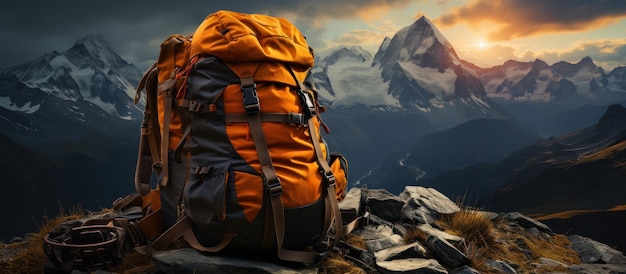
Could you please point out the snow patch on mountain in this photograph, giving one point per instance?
(539, 94)
(7, 103)
(512, 74)
(441, 84)
(348, 79)
(582, 78)
(359, 84)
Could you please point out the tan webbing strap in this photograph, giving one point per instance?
(167, 88)
(152, 104)
(143, 170)
(149, 136)
(152, 224)
(329, 179)
(268, 235)
(184, 228)
(347, 228)
(193, 241)
(288, 118)
(142, 83)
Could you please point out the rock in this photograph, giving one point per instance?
(500, 266)
(419, 215)
(591, 251)
(384, 243)
(93, 272)
(413, 265)
(430, 230)
(384, 204)
(188, 260)
(447, 254)
(547, 262)
(424, 205)
(429, 198)
(373, 232)
(412, 250)
(350, 206)
(527, 222)
(596, 268)
(464, 270)
(399, 229)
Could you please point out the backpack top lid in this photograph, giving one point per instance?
(239, 37)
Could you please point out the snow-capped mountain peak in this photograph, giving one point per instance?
(93, 50)
(575, 83)
(415, 43)
(355, 53)
(417, 70)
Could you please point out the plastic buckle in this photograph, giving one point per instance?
(329, 178)
(195, 106)
(157, 166)
(274, 189)
(296, 119)
(250, 99)
(203, 170)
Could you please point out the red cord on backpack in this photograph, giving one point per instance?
(182, 90)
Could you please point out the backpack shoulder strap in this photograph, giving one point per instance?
(150, 135)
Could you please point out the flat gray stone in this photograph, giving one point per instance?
(188, 260)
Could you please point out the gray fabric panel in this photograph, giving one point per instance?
(171, 194)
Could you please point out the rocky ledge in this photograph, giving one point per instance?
(405, 234)
(418, 231)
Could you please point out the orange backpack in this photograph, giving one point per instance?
(232, 129)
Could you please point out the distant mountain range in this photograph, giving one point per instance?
(581, 169)
(416, 85)
(413, 110)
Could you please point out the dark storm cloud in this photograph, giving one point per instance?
(135, 28)
(519, 18)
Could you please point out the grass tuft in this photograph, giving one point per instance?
(28, 256)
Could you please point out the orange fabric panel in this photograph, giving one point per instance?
(152, 200)
(174, 55)
(294, 163)
(238, 37)
(249, 190)
(341, 180)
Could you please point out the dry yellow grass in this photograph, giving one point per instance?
(486, 239)
(603, 154)
(29, 257)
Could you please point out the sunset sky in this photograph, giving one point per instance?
(484, 32)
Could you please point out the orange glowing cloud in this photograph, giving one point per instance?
(508, 19)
